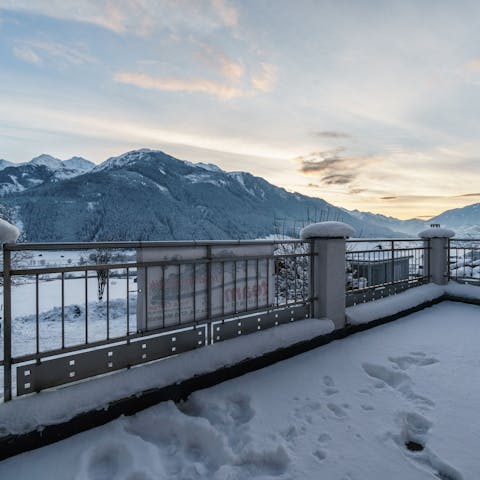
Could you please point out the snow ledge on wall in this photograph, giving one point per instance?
(50, 407)
(384, 307)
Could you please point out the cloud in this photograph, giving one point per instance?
(338, 179)
(330, 134)
(266, 78)
(134, 17)
(317, 162)
(226, 12)
(26, 54)
(104, 14)
(36, 52)
(334, 167)
(388, 198)
(226, 91)
(203, 85)
(474, 65)
(468, 195)
(229, 68)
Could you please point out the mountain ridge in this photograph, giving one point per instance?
(163, 197)
(150, 195)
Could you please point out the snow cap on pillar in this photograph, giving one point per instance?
(327, 230)
(8, 233)
(436, 232)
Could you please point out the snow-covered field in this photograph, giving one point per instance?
(343, 411)
(50, 301)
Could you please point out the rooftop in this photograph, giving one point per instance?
(351, 409)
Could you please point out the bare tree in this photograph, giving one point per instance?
(101, 256)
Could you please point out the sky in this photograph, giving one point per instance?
(370, 105)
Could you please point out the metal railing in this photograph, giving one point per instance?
(379, 268)
(464, 260)
(73, 311)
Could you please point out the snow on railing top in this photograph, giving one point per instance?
(8, 233)
(436, 232)
(327, 230)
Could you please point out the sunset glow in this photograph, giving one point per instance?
(369, 105)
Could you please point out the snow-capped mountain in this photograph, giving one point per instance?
(464, 221)
(79, 164)
(48, 161)
(149, 195)
(18, 177)
(5, 164)
(408, 227)
(124, 160)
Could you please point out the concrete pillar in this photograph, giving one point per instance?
(436, 262)
(328, 245)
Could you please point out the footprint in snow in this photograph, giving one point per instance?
(320, 455)
(413, 441)
(328, 381)
(107, 461)
(324, 438)
(367, 408)
(398, 380)
(290, 434)
(405, 362)
(338, 411)
(331, 391)
(391, 377)
(330, 384)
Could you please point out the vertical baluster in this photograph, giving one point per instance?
(295, 278)
(163, 296)
(268, 282)
(194, 267)
(235, 286)
(86, 306)
(179, 293)
(392, 247)
(146, 298)
(257, 288)
(223, 289)
(245, 288)
(209, 295)
(128, 305)
(37, 318)
(63, 310)
(108, 304)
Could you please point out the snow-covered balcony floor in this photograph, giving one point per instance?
(343, 411)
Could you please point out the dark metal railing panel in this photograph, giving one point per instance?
(384, 267)
(74, 367)
(86, 301)
(464, 260)
(254, 323)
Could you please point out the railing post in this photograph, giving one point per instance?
(436, 240)
(328, 258)
(7, 326)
